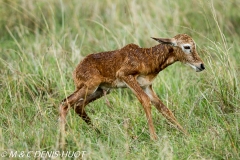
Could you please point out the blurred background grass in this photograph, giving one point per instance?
(41, 42)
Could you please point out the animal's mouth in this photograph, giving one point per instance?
(197, 68)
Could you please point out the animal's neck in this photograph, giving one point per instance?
(165, 55)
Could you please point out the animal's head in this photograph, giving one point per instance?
(186, 50)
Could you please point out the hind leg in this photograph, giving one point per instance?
(66, 103)
(69, 101)
(80, 107)
(63, 110)
(83, 92)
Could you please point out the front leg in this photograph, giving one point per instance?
(167, 113)
(144, 99)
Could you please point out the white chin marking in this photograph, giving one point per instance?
(194, 67)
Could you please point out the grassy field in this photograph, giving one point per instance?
(41, 42)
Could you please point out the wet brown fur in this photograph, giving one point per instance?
(132, 67)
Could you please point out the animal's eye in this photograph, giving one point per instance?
(186, 47)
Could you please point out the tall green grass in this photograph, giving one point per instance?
(41, 43)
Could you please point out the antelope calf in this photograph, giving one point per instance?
(132, 67)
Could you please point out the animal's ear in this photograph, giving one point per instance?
(170, 41)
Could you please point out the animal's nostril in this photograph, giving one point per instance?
(202, 66)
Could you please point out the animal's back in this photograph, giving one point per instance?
(105, 64)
